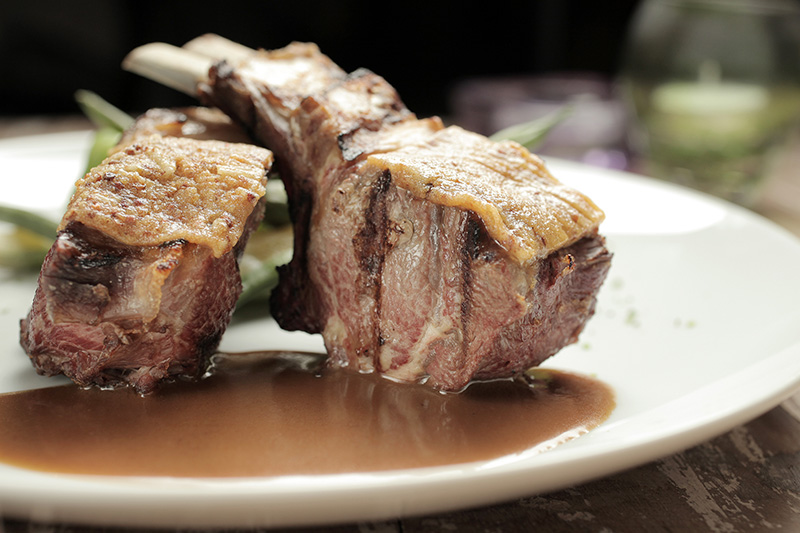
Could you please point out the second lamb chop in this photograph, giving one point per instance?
(424, 252)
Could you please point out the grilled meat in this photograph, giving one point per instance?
(200, 123)
(143, 277)
(423, 252)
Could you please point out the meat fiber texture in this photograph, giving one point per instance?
(426, 253)
(143, 277)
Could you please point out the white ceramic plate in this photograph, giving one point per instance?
(696, 330)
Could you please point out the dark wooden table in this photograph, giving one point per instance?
(747, 479)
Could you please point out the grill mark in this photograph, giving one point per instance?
(84, 252)
(471, 229)
(92, 261)
(370, 244)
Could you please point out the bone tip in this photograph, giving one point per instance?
(217, 47)
(167, 64)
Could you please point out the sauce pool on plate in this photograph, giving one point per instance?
(274, 413)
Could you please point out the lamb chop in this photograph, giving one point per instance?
(423, 252)
(143, 277)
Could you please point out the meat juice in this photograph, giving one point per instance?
(272, 414)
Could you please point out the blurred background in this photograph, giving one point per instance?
(50, 48)
(705, 93)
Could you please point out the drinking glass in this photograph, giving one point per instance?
(714, 89)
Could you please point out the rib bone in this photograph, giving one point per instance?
(216, 47)
(183, 68)
(175, 67)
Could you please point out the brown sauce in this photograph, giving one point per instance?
(275, 414)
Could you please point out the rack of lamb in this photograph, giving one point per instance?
(422, 252)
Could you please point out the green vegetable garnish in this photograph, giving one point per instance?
(102, 113)
(531, 134)
(32, 222)
(268, 248)
(110, 122)
(23, 250)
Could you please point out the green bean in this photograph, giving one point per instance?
(101, 112)
(104, 140)
(531, 134)
(276, 211)
(21, 249)
(259, 278)
(30, 221)
(268, 248)
(110, 122)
